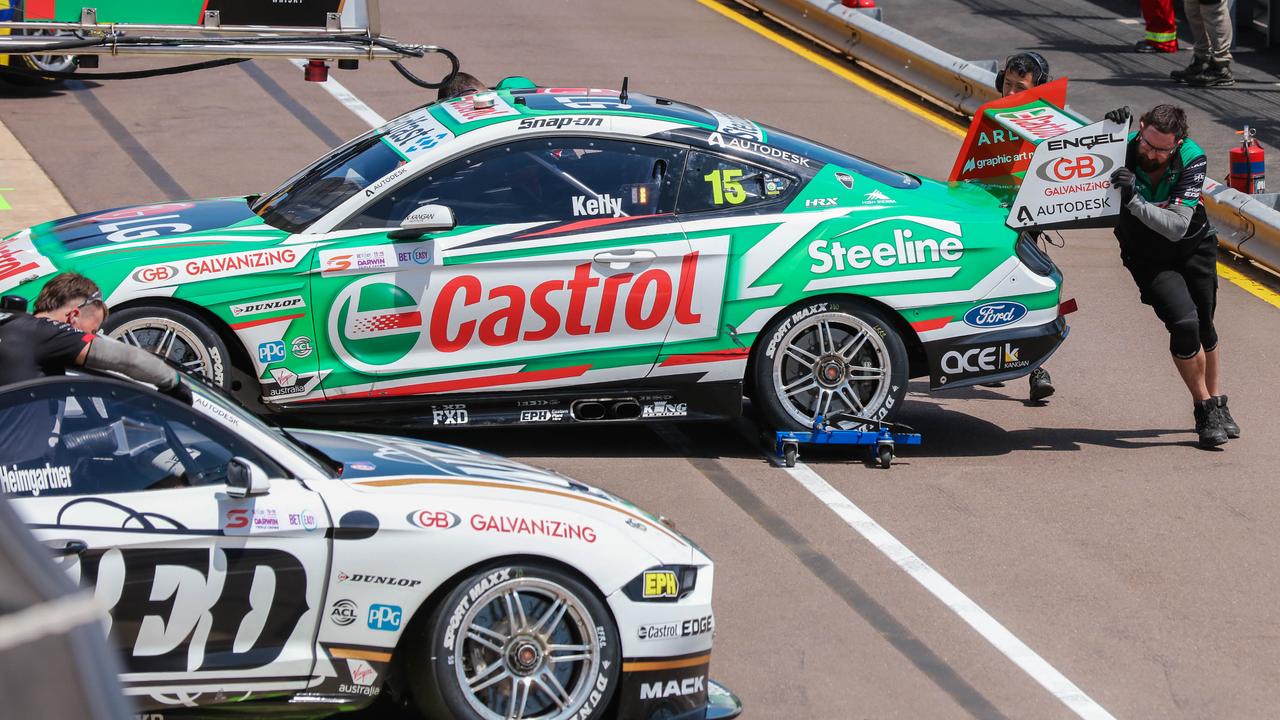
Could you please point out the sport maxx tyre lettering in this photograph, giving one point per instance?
(176, 335)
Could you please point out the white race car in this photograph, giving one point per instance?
(258, 570)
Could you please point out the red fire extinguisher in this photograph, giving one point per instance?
(1248, 164)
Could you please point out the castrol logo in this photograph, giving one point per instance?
(471, 313)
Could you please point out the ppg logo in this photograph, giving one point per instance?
(384, 617)
(269, 352)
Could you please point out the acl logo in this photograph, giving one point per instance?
(1081, 167)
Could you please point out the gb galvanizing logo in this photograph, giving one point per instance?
(995, 314)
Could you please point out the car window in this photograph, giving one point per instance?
(84, 437)
(535, 180)
(328, 183)
(714, 182)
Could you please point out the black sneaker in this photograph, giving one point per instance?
(1041, 384)
(1228, 423)
(1214, 75)
(1196, 67)
(1209, 424)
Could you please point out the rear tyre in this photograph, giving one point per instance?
(516, 641)
(176, 335)
(831, 355)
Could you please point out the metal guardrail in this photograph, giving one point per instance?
(1247, 225)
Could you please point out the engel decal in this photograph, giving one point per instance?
(467, 312)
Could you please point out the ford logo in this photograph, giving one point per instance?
(995, 314)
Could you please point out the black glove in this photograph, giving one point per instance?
(1120, 115)
(179, 392)
(1126, 181)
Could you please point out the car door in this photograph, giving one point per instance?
(566, 264)
(211, 598)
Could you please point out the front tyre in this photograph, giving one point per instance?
(828, 356)
(175, 335)
(516, 641)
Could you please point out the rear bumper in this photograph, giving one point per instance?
(993, 357)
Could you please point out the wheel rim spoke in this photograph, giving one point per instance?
(486, 637)
(551, 686)
(519, 697)
(802, 384)
(801, 356)
(576, 653)
(495, 673)
(826, 343)
(850, 398)
(551, 617)
(851, 348)
(862, 374)
(823, 405)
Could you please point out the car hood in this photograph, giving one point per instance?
(141, 222)
(369, 457)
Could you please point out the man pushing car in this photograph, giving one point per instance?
(1169, 247)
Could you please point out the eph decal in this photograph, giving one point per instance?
(541, 416)
(660, 584)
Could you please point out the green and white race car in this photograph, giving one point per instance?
(556, 255)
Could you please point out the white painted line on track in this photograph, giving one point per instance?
(959, 603)
(348, 99)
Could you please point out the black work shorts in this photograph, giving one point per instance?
(1174, 287)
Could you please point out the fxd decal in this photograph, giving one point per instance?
(867, 245)
(559, 123)
(163, 617)
(717, 139)
(263, 306)
(20, 262)
(449, 415)
(565, 302)
(995, 314)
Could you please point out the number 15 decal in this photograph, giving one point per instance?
(725, 187)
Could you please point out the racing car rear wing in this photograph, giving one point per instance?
(1045, 162)
(319, 30)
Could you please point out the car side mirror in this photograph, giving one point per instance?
(425, 219)
(244, 478)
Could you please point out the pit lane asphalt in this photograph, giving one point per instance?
(1137, 565)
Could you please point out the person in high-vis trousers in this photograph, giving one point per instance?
(1162, 28)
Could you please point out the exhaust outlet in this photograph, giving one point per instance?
(625, 410)
(588, 410)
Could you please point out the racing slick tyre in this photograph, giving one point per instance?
(176, 335)
(829, 356)
(517, 640)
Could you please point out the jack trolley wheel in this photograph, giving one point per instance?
(789, 453)
(884, 456)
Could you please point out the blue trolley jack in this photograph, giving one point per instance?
(881, 441)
